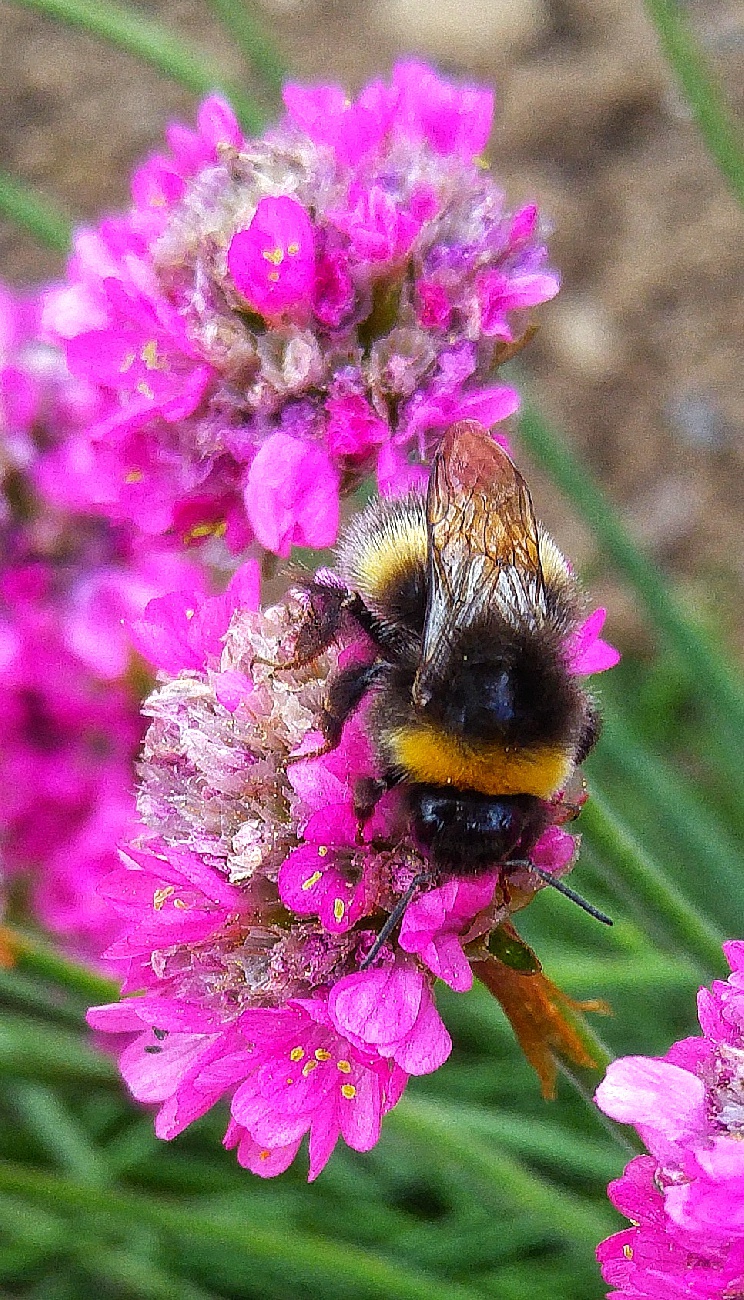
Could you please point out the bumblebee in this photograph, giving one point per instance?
(474, 710)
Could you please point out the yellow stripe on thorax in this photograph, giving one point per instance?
(434, 757)
(393, 555)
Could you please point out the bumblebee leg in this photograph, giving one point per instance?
(331, 607)
(590, 734)
(322, 622)
(345, 692)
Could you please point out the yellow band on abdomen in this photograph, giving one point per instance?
(433, 757)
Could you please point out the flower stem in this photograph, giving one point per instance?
(708, 669)
(258, 51)
(36, 215)
(700, 89)
(636, 868)
(151, 41)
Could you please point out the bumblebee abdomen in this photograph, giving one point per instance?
(430, 756)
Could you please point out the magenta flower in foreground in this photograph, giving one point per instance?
(275, 318)
(248, 906)
(686, 1199)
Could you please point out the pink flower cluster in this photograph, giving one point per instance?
(69, 709)
(685, 1199)
(274, 318)
(248, 907)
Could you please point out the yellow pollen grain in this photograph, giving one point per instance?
(293, 249)
(179, 903)
(149, 355)
(339, 907)
(297, 1054)
(628, 1251)
(321, 1054)
(264, 1155)
(274, 277)
(127, 362)
(134, 476)
(308, 1068)
(160, 896)
(312, 880)
(289, 1081)
(200, 530)
(322, 850)
(274, 255)
(344, 1067)
(348, 1090)
(145, 390)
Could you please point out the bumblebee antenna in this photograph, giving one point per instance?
(394, 917)
(566, 890)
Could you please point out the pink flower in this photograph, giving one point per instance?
(687, 1198)
(391, 1011)
(587, 652)
(291, 495)
(654, 1260)
(435, 922)
(217, 316)
(272, 262)
(304, 1077)
(184, 628)
(325, 876)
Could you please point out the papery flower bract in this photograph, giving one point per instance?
(274, 318)
(687, 1197)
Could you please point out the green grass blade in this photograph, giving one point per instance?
(30, 1049)
(34, 955)
(149, 40)
(700, 89)
(54, 1127)
(709, 670)
(139, 1277)
(38, 216)
(258, 51)
(693, 832)
(438, 1130)
(311, 1265)
(617, 847)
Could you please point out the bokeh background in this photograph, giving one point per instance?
(478, 1188)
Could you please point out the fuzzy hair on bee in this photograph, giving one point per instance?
(469, 604)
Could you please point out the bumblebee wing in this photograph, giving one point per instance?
(483, 539)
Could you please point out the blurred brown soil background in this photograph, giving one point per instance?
(641, 357)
